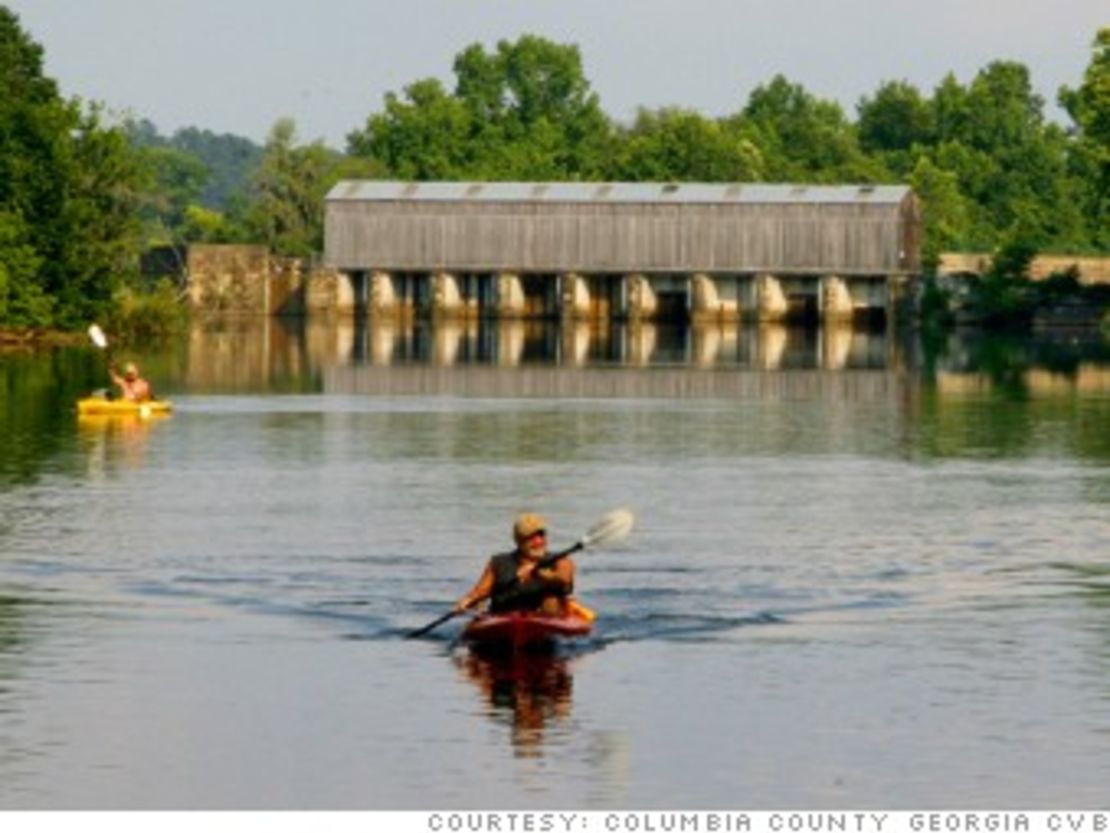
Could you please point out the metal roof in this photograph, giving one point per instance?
(611, 192)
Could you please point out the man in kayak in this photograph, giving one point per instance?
(133, 387)
(514, 581)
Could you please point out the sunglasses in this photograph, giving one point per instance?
(539, 533)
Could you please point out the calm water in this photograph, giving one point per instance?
(865, 573)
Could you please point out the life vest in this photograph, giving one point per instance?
(509, 593)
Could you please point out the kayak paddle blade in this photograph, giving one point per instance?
(613, 527)
(97, 336)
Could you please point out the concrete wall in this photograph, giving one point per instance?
(229, 279)
(1092, 270)
(248, 280)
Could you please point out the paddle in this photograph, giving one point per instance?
(96, 335)
(612, 527)
(100, 340)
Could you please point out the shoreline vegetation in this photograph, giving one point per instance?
(89, 198)
(1005, 297)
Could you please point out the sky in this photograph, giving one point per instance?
(237, 66)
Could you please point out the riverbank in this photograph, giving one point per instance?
(30, 339)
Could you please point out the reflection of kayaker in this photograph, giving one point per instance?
(529, 580)
(529, 689)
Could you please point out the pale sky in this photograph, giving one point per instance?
(237, 66)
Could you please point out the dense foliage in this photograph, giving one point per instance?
(69, 191)
(81, 199)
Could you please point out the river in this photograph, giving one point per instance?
(866, 572)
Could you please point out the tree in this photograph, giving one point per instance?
(1011, 165)
(945, 210)
(801, 138)
(422, 135)
(22, 299)
(99, 222)
(176, 181)
(523, 112)
(674, 145)
(286, 211)
(32, 121)
(531, 105)
(1089, 108)
(894, 122)
(68, 189)
(230, 162)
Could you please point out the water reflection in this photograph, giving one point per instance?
(230, 353)
(528, 691)
(113, 441)
(238, 354)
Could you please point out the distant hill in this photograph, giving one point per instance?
(231, 160)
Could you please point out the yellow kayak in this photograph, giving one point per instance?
(98, 406)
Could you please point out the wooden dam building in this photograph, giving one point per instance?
(632, 251)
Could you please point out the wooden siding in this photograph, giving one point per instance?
(817, 238)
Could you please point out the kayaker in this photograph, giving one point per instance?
(133, 387)
(511, 581)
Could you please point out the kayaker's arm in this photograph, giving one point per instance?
(481, 590)
(558, 579)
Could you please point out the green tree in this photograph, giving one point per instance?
(422, 135)
(176, 180)
(945, 210)
(68, 189)
(1010, 164)
(22, 299)
(230, 162)
(802, 138)
(204, 225)
(99, 222)
(524, 111)
(286, 210)
(1089, 108)
(33, 120)
(895, 124)
(533, 92)
(675, 145)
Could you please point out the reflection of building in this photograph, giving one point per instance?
(1086, 378)
(248, 353)
(528, 691)
(771, 340)
(254, 353)
(836, 344)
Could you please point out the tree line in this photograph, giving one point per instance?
(83, 196)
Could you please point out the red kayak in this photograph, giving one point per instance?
(523, 630)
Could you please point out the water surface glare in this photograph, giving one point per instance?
(876, 587)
